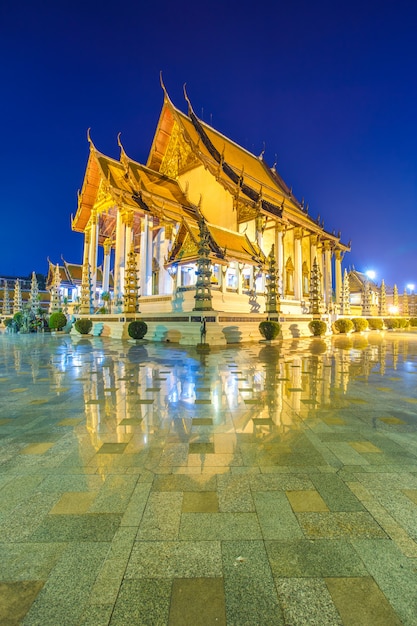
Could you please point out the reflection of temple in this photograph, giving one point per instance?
(195, 175)
(140, 398)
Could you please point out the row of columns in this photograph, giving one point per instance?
(321, 251)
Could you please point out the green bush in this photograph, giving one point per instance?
(57, 321)
(391, 323)
(403, 322)
(413, 322)
(343, 325)
(360, 324)
(8, 321)
(83, 326)
(18, 320)
(137, 329)
(375, 323)
(269, 330)
(317, 328)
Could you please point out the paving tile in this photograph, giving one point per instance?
(200, 502)
(275, 516)
(360, 601)
(307, 601)
(36, 448)
(339, 525)
(197, 601)
(306, 501)
(144, 602)
(218, 526)
(73, 503)
(161, 517)
(16, 598)
(79, 528)
(174, 559)
(112, 448)
(335, 493)
(395, 575)
(249, 586)
(305, 558)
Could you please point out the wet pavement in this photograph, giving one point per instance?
(266, 484)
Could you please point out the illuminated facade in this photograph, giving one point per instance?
(194, 174)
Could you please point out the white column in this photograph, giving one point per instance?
(338, 274)
(298, 273)
(313, 250)
(149, 256)
(86, 252)
(119, 256)
(92, 257)
(327, 273)
(106, 264)
(279, 248)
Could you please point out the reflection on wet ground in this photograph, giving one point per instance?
(151, 484)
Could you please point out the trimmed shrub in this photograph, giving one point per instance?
(343, 325)
(137, 329)
(269, 330)
(8, 321)
(391, 323)
(375, 323)
(317, 328)
(403, 322)
(360, 324)
(413, 322)
(83, 326)
(57, 321)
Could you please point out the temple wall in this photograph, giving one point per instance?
(216, 202)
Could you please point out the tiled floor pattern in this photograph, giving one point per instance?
(267, 484)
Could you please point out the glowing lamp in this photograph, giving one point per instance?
(393, 310)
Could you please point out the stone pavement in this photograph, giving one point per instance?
(151, 484)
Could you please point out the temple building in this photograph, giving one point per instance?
(203, 220)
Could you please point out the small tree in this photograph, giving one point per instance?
(137, 329)
(83, 326)
(360, 324)
(317, 328)
(269, 330)
(57, 321)
(343, 325)
(375, 323)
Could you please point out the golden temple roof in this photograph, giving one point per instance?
(225, 246)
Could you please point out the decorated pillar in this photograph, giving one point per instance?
(203, 300)
(93, 250)
(298, 272)
(106, 265)
(338, 275)
(17, 300)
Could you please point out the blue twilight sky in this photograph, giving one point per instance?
(329, 86)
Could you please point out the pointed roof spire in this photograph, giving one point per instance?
(187, 99)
